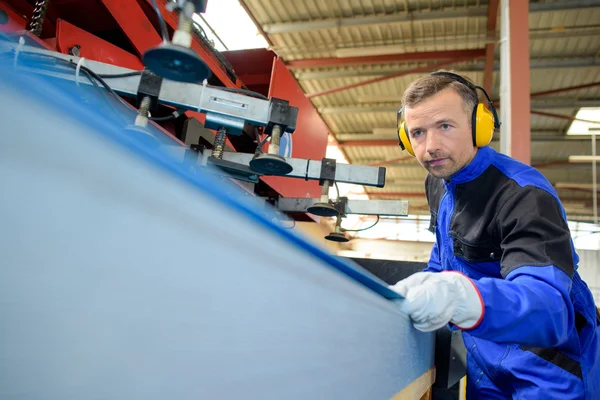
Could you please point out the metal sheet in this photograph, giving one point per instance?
(124, 276)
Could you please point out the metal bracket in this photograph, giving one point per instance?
(149, 86)
(341, 205)
(393, 208)
(310, 169)
(328, 166)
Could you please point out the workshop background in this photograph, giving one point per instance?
(354, 59)
(351, 61)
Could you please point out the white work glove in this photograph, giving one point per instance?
(432, 299)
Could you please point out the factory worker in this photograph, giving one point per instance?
(503, 268)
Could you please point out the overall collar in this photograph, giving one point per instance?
(480, 163)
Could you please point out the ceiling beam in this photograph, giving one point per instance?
(561, 116)
(411, 15)
(386, 59)
(536, 63)
(568, 145)
(394, 98)
(542, 136)
(429, 67)
(565, 89)
(395, 46)
(540, 104)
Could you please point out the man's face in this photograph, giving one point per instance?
(440, 133)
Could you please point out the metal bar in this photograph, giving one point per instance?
(428, 67)
(232, 109)
(415, 15)
(565, 89)
(490, 47)
(562, 116)
(594, 179)
(304, 169)
(385, 59)
(541, 104)
(392, 208)
(536, 63)
(536, 136)
(394, 142)
(400, 45)
(311, 170)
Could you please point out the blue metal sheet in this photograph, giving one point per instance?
(108, 290)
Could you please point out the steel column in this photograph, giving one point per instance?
(489, 48)
(515, 136)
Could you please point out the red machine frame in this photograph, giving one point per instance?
(118, 32)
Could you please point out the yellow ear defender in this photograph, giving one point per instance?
(485, 120)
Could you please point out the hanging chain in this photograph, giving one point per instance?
(37, 19)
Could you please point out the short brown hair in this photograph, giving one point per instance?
(429, 85)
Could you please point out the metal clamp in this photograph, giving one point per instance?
(149, 86)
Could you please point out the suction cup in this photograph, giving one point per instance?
(270, 164)
(176, 63)
(142, 135)
(323, 210)
(337, 237)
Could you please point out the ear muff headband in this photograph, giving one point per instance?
(484, 120)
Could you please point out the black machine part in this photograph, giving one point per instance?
(282, 114)
(149, 86)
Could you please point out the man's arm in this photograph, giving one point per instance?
(531, 306)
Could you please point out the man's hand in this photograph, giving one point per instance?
(432, 299)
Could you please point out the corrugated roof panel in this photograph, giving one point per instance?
(371, 154)
(364, 122)
(565, 47)
(540, 123)
(548, 79)
(556, 19)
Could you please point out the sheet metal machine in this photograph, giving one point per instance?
(108, 291)
(229, 112)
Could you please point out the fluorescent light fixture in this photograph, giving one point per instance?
(583, 159)
(232, 25)
(585, 128)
